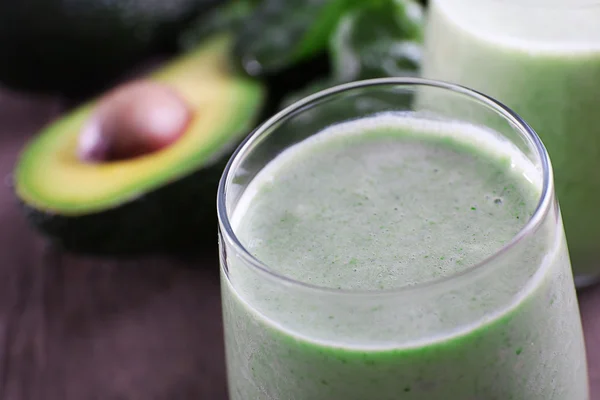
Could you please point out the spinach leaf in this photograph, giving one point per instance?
(383, 38)
(281, 33)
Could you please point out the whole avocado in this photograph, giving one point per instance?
(73, 46)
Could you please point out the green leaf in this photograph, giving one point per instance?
(383, 38)
(281, 33)
(380, 39)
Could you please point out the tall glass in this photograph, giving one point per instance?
(542, 59)
(506, 327)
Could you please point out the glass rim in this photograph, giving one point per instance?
(543, 205)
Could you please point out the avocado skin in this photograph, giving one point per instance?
(178, 218)
(74, 46)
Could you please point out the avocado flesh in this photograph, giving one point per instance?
(92, 207)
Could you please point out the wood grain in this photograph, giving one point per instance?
(76, 328)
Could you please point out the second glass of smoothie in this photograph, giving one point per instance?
(542, 59)
(377, 244)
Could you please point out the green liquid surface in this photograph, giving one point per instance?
(385, 203)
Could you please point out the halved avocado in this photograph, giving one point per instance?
(161, 201)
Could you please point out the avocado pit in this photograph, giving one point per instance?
(133, 120)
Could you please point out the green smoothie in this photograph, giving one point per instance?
(369, 210)
(542, 59)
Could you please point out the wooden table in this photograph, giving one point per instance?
(74, 328)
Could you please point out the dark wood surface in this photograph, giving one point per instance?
(75, 328)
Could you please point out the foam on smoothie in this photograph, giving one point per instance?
(508, 23)
(348, 229)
